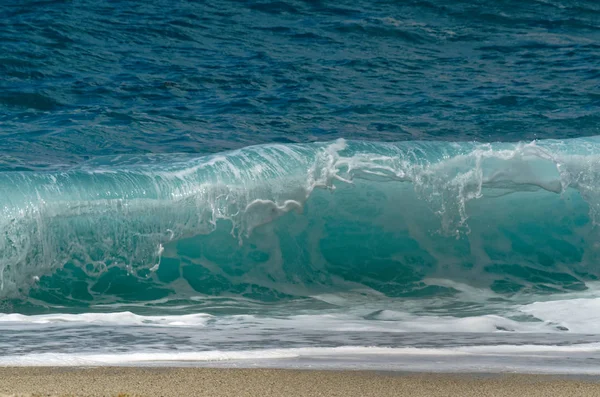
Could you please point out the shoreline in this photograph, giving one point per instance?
(222, 382)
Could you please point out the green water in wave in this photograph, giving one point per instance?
(289, 222)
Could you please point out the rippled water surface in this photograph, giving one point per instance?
(87, 78)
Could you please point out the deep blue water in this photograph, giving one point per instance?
(230, 180)
(81, 79)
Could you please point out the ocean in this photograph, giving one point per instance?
(391, 185)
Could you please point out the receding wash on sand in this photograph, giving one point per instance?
(364, 197)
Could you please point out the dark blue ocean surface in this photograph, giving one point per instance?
(80, 79)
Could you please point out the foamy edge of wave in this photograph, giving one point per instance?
(120, 318)
(349, 352)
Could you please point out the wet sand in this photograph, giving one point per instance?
(128, 381)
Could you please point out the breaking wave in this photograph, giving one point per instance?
(277, 222)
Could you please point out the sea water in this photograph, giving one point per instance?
(363, 185)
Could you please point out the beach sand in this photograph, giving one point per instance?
(113, 381)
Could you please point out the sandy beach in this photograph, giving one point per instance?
(113, 381)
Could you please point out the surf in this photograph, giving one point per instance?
(281, 222)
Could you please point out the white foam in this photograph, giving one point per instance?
(578, 315)
(122, 318)
(355, 353)
(387, 321)
(390, 321)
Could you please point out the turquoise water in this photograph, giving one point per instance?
(371, 183)
(283, 222)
